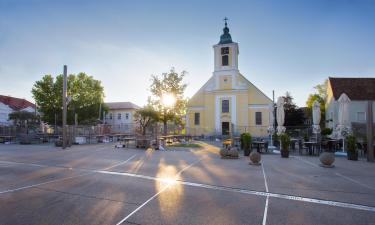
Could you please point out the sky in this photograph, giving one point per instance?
(289, 45)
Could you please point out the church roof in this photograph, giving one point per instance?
(225, 38)
(359, 89)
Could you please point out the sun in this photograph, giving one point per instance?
(168, 100)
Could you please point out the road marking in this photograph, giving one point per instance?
(120, 163)
(231, 189)
(60, 179)
(267, 198)
(354, 181)
(157, 194)
(338, 174)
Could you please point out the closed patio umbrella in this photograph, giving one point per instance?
(280, 115)
(271, 118)
(316, 117)
(343, 125)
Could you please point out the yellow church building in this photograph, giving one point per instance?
(227, 100)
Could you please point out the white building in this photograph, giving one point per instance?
(120, 116)
(10, 104)
(359, 90)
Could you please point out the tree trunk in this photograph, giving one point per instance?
(165, 127)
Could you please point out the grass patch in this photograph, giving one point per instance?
(191, 145)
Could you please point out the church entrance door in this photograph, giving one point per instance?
(225, 128)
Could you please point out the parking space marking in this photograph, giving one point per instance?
(169, 183)
(267, 198)
(60, 179)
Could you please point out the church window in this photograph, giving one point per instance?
(225, 106)
(196, 118)
(119, 116)
(258, 118)
(225, 56)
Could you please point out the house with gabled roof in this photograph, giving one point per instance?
(359, 90)
(10, 104)
(120, 116)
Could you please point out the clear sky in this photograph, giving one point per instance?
(284, 45)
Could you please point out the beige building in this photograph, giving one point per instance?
(227, 98)
(120, 116)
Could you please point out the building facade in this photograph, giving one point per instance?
(359, 90)
(120, 116)
(10, 104)
(227, 100)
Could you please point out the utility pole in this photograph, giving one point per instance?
(370, 133)
(64, 98)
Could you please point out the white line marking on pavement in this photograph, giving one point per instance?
(267, 198)
(338, 174)
(60, 179)
(355, 181)
(235, 190)
(120, 163)
(161, 191)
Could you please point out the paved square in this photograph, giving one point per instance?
(98, 184)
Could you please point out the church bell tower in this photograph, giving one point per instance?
(226, 61)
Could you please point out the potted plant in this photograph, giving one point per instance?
(246, 143)
(285, 142)
(351, 143)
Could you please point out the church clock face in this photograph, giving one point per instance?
(225, 50)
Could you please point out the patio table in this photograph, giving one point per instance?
(259, 144)
(311, 146)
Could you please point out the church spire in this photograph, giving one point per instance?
(225, 38)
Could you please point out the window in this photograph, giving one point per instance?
(225, 106)
(196, 118)
(258, 118)
(224, 60)
(119, 116)
(361, 116)
(110, 116)
(225, 56)
(127, 116)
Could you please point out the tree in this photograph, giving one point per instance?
(21, 118)
(168, 84)
(86, 98)
(321, 96)
(294, 116)
(146, 116)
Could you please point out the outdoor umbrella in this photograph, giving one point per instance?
(280, 115)
(271, 118)
(316, 117)
(343, 126)
(343, 120)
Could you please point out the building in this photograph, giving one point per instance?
(120, 116)
(227, 98)
(359, 90)
(10, 104)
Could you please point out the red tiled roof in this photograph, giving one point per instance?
(16, 103)
(360, 89)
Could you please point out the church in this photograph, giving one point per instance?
(228, 100)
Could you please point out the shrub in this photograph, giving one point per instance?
(326, 131)
(285, 141)
(245, 141)
(351, 142)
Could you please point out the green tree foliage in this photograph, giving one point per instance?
(294, 116)
(21, 118)
(146, 116)
(321, 96)
(170, 83)
(86, 97)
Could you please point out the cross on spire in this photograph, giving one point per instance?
(225, 20)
